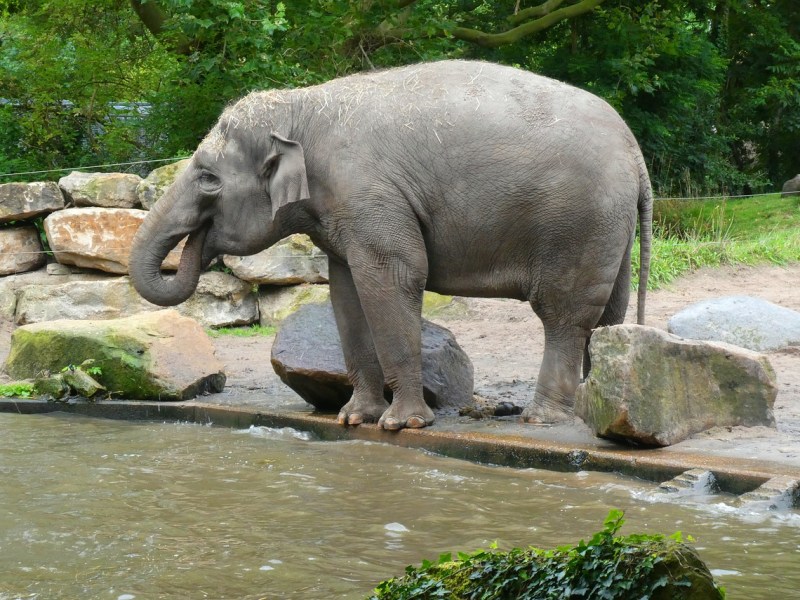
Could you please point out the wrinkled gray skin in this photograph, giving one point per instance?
(459, 177)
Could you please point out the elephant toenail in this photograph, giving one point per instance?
(415, 422)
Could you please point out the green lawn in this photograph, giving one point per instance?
(692, 234)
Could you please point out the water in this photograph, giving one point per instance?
(134, 511)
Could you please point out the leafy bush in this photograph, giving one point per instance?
(606, 567)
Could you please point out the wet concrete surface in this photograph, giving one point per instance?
(501, 441)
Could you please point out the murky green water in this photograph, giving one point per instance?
(107, 509)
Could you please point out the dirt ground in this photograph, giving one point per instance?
(505, 341)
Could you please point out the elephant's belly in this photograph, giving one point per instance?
(489, 284)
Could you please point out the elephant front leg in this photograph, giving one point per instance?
(390, 291)
(363, 368)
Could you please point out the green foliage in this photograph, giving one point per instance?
(607, 566)
(17, 389)
(711, 89)
(251, 331)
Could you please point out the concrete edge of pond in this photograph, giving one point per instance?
(732, 475)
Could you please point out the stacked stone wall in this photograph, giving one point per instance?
(64, 251)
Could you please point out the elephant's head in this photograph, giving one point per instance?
(225, 201)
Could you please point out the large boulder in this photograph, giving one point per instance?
(220, 300)
(276, 302)
(307, 356)
(20, 201)
(152, 356)
(109, 190)
(20, 250)
(791, 187)
(291, 261)
(650, 388)
(98, 238)
(152, 187)
(739, 320)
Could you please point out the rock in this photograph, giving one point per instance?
(739, 320)
(221, 300)
(152, 356)
(791, 187)
(20, 250)
(152, 187)
(20, 201)
(81, 382)
(650, 388)
(275, 302)
(307, 356)
(98, 238)
(291, 261)
(109, 190)
(486, 408)
(79, 297)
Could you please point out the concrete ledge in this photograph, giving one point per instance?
(734, 476)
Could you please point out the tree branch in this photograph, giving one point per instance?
(545, 8)
(495, 40)
(153, 17)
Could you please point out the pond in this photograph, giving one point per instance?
(94, 508)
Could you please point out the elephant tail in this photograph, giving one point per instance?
(645, 207)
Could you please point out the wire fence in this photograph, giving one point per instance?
(176, 158)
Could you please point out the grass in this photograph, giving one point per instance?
(251, 331)
(688, 235)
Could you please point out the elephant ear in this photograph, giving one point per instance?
(286, 167)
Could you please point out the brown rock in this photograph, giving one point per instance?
(98, 238)
(649, 387)
(20, 250)
(151, 356)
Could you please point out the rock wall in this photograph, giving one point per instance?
(76, 266)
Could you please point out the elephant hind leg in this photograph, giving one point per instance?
(567, 326)
(616, 307)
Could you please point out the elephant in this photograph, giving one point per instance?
(462, 177)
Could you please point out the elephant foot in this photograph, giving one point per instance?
(407, 416)
(359, 411)
(547, 414)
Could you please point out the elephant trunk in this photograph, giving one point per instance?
(150, 247)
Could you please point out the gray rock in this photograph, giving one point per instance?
(307, 356)
(291, 261)
(276, 302)
(20, 201)
(98, 238)
(791, 187)
(648, 387)
(153, 356)
(152, 187)
(108, 190)
(739, 320)
(221, 300)
(20, 250)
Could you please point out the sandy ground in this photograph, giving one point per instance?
(505, 341)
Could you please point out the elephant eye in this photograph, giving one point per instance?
(208, 181)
